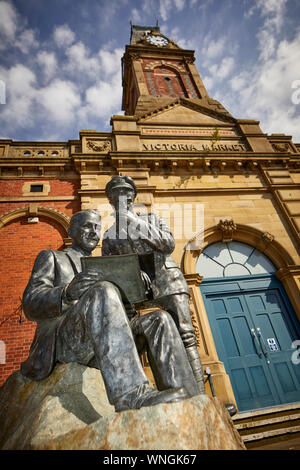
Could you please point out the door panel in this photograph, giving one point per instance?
(276, 336)
(254, 331)
(251, 380)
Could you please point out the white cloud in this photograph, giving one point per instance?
(176, 34)
(60, 100)
(208, 81)
(274, 7)
(20, 87)
(63, 35)
(166, 7)
(79, 60)
(12, 31)
(267, 94)
(213, 48)
(103, 98)
(238, 82)
(224, 69)
(27, 41)
(8, 20)
(135, 16)
(110, 62)
(179, 4)
(48, 62)
(273, 13)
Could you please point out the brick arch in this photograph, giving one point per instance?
(168, 81)
(175, 68)
(29, 211)
(20, 242)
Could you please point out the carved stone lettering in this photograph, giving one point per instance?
(201, 147)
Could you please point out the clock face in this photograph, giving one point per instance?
(157, 40)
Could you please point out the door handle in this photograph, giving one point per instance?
(256, 343)
(262, 342)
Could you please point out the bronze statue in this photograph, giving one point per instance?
(149, 236)
(81, 318)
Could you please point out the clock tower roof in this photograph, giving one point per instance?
(137, 32)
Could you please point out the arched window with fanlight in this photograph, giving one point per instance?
(233, 259)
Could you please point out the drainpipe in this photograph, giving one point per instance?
(229, 406)
(208, 373)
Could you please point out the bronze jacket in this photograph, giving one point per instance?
(165, 275)
(44, 302)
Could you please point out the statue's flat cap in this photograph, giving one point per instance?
(120, 182)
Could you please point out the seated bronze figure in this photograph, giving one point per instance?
(81, 318)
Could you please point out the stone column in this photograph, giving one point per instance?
(206, 344)
(290, 278)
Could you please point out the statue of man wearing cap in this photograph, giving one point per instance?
(81, 318)
(149, 236)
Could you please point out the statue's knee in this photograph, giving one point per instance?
(104, 288)
(163, 317)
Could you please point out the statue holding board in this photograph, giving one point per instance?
(82, 317)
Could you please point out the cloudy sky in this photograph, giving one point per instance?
(60, 60)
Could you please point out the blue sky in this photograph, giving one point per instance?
(60, 60)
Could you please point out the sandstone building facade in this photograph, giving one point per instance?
(229, 192)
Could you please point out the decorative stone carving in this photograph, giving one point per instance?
(189, 59)
(99, 145)
(228, 227)
(284, 147)
(195, 325)
(267, 237)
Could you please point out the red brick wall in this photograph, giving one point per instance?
(167, 81)
(20, 243)
(11, 187)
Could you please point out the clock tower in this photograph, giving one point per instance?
(156, 71)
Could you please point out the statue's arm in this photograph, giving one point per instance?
(157, 234)
(105, 248)
(41, 298)
(152, 230)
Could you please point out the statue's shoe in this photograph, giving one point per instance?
(144, 395)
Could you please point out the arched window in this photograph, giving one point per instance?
(168, 83)
(233, 259)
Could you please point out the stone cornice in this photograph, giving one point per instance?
(142, 50)
(193, 279)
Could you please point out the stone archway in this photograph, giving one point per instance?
(33, 210)
(227, 230)
(288, 272)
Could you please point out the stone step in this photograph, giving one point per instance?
(267, 422)
(263, 427)
(268, 434)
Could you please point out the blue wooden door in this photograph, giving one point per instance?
(254, 327)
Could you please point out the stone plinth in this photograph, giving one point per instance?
(70, 411)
